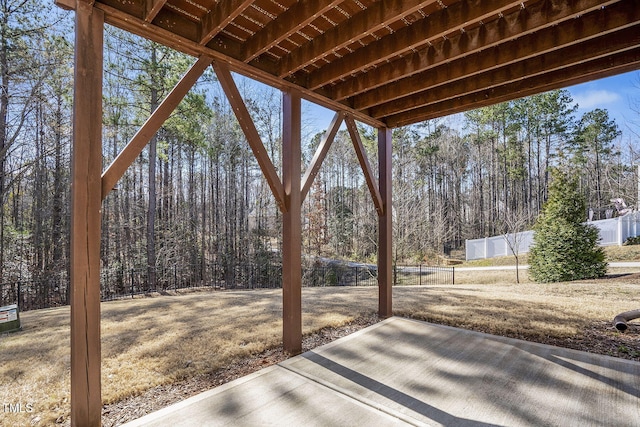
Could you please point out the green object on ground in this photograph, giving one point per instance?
(9, 318)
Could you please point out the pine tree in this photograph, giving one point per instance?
(564, 247)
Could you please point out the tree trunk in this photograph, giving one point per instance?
(4, 108)
(151, 212)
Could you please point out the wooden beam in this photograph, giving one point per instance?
(298, 16)
(188, 46)
(551, 61)
(509, 27)
(531, 67)
(320, 154)
(580, 73)
(66, 4)
(292, 225)
(135, 146)
(152, 7)
(377, 16)
(385, 226)
(456, 17)
(554, 46)
(179, 24)
(86, 164)
(364, 164)
(221, 14)
(251, 133)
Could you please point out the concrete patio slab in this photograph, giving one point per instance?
(406, 372)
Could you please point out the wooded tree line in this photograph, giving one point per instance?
(196, 197)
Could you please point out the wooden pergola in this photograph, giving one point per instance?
(386, 63)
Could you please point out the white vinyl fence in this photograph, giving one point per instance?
(613, 231)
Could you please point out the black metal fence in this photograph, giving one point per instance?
(118, 284)
(422, 275)
(33, 294)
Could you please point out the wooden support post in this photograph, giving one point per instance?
(385, 278)
(292, 226)
(86, 201)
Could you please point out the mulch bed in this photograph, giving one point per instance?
(603, 338)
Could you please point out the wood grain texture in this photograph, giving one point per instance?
(292, 224)
(362, 56)
(385, 225)
(86, 201)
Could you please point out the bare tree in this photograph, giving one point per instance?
(514, 225)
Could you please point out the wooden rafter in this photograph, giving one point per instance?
(251, 133)
(220, 16)
(135, 146)
(152, 7)
(182, 43)
(293, 19)
(475, 41)
(436, 26)
(381, 54)
(361, 154)
(448, 83)
(320, 154)
(541, 65)
(580, 73)
(376, 17)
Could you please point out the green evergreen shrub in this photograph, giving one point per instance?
(632, 241)
(564, 247)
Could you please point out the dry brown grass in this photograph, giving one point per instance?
(490, 277)
(160, 340)
(623, 253)
(530, 311)
(612, 253)
(152, 341)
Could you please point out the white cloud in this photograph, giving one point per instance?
(596, 98)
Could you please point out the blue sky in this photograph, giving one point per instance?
(616, 95)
